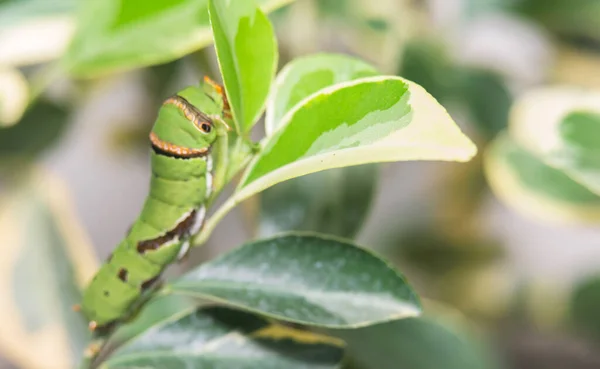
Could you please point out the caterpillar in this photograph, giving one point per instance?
(187, 126)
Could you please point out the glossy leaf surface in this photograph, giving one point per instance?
(247, 52)
(307, 279)
(222, 338)
(116, 35)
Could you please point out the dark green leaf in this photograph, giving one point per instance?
(576, 18)
(415, 343)
(38, 129)
(307, 279)
(334, 201)
(585, 304)
(220, 338)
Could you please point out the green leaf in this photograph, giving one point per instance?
(561, 126)
(304, 76)
(159, 309)
(306, 279)
(585, 304)
(575, 18)
(527, 184)
(486, 97)
(115, 35)
(39, 128)
(415, 343)
(222, 338)
(377, 119)
(247, 52)
(46, 259)
(334, 201)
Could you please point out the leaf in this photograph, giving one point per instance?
(307, 279)
(247, 53)
(334, 201)
(116, 35)
(223, 338)
(561, 126)
(415, 343)
(574, 18)
(14, 94)
(45, 259)
(481, 94)
(34, 31)
(585, 302)
(306, 75)
(486, 97)
(41, 125)
(377, 119)
(159, 309)
(527, 184)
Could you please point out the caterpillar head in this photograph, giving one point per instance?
(189, 122)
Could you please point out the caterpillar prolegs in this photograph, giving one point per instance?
(187, 127)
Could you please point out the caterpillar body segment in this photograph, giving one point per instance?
(187, 126)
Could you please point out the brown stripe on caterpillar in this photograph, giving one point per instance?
(180, 229)
(180, 152)
(190, 112)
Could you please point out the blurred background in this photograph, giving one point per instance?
(74, 167)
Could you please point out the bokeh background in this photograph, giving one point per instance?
(81, 146)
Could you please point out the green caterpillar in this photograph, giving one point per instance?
(187, 127)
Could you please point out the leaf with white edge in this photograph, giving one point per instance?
(35, 31)
(307, 279)
(115, 35)
(527, 184)
(46, 258)
(220, 338)
(306, 75)
(561, 125)
(14, 96)
(376, 119)
(247, 53)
